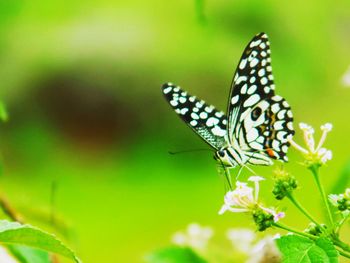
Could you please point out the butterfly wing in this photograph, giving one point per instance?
(257, 118)
(205, 120)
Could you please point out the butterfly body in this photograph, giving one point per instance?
(258, 123)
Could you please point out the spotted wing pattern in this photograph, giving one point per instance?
(257, 118)
(259, 121)
(205, 120)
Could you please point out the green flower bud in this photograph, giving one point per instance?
(284, 184)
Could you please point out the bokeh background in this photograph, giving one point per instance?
(86, 145)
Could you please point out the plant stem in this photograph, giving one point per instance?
(344, 254)
(340, 224)
(341, 244)
(302, 209)
(314, 170)
(8, 210)
(287, 228)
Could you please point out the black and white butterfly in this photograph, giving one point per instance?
(258, 123)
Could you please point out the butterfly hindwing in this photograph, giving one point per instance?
(209, 123)
(267, 128)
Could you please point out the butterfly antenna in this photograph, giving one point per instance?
(188, 151)
(246, 166)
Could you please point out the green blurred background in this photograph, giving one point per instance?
(89, 131)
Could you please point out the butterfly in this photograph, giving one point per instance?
(258, 123)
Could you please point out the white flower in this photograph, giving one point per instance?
(5, 256)
(265, 251)
(245, 199)
(278, 216)
(195, 236)
(341, 201)
(346, 78)
(241, 238)
(334, 199)
(314, 154)
(347, 193)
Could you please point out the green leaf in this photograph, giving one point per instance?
(29, 255)
(15, 233)
(296, 249)
(174, 255)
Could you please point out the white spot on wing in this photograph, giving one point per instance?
(209, 109)
(183, 111)
(263, 80)
(252, 89)
(256, 145)
(275, 145)
(281, 114)
(278, 125)
(251, 100)
(203, 115)
(167, 90)
(243, 63)
(285, 148)
(212, 121)
(174, 103)
(218, 131)
(234, 99)
(244, 89)
(261, 72)
(182, 99)
(193, 122)
(194, 116)
(254, 62)
(252, 135)
(275, 108)
(240, 79)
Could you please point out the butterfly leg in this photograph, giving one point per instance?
(250, 169)
(226, 174)
(239, 172)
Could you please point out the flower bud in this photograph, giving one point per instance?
(314, 229)
(284, 184)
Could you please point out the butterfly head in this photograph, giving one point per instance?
(226, 157)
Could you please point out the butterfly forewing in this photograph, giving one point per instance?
(209, 123)
(258, 119)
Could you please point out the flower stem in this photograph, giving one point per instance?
(287, 228)
(302, 209)
(341, 244)
(8, 210)
(340, 224)
(314, 170)
(344, 254)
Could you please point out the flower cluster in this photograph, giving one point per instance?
(314, 154)
(341, 201)
(284, 184)
(246, 241)
(195, 236)
(244, 199)
(315, 230)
